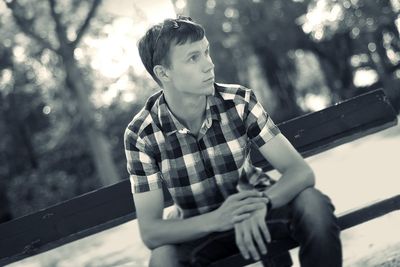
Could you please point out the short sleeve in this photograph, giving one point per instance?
(143, 170)
(259, 125)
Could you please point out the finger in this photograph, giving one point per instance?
(258, 237)
(265, 231)
(248, 208)
(246, 194)
(249, 243)
(240, 241)
(240, 217)
(251, 200)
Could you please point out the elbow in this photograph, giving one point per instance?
(150, 245)
(305, 176)
(149, 236)
(309, 177)
(149, 242)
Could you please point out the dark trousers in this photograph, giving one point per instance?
(308, 219)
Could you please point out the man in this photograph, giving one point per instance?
(193, 137)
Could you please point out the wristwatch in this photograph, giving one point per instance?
(269, 203)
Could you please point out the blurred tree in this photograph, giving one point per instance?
(21, 118)
(270, 29)
(357, 35)
(211, 17)
(335, 31)
(60, 34)
(5, 211)
(22, 121)
(254, 28)
(32, 82)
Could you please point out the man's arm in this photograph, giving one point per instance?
(296, 176)
(156, 232)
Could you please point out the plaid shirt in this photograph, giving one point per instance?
(200, 171)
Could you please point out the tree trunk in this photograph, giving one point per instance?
(99, 146)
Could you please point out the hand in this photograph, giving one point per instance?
(237, 208)
(251, 233)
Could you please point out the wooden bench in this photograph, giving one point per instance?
(113, 205)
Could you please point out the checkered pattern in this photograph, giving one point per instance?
(200, 172)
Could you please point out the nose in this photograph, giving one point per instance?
(208, 65)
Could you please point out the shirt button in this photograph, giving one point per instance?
(208, 122)
(183, 131)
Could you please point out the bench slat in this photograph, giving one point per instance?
(319, 131)
(113, 205)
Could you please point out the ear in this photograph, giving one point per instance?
(161, 72)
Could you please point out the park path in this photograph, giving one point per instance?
(353, 174)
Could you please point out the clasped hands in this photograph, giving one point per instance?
(245, 212)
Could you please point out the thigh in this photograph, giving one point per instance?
(310, 199)
(310, 206)
(209, 249)
(278, 222)
(313, 200)
(219, 246)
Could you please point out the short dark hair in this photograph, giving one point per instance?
(154, 46)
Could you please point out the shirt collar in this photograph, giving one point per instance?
(214, 106)
(170, 124)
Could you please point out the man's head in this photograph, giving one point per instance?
(176, 52)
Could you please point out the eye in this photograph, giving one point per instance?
(207, 52)
(194, 58)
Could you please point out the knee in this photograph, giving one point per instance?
(313, 211)
(164, 256)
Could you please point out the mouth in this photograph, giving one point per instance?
(211, 79)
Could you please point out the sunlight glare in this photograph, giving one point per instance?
(114, 54)
(393, 56)
(6, 77)
(316, 102)
(19, 53)
(365, 77)
(46, 110)
(180, 4)
(129, 97)
(321, 16)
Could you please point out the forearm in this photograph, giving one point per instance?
(291, 183)
(161, 232)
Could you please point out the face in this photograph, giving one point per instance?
(191, 70)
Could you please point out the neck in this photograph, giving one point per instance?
(189, 109)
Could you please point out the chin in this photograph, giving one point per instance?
(209, 90)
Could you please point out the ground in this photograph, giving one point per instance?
(353, 175)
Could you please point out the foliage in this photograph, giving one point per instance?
(279, 33)
(44, 157)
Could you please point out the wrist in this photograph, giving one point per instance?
(211, 222)
(269, 202)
